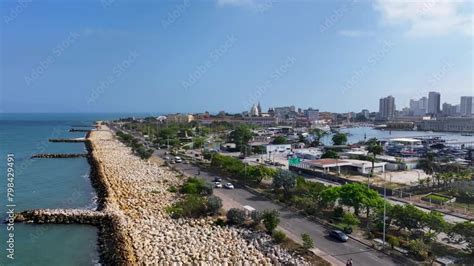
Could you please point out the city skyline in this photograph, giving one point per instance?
(94, 60)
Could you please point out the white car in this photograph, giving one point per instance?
(229, 186)
(218, 184)
(178, 159)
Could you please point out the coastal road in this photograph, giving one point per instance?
(296, 225)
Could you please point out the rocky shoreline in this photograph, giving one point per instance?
(134, 227)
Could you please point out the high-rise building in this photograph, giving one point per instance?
(366, 113)
(311, 114)
(259, 108)
(419, 107)
(387, 108)
(449, 109)
(434, 102)
(466, 107)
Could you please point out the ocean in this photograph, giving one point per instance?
(47, 183)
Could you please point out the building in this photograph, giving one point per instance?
(466, 107)
(284, 111)
(418, 107)
(434, 102)
(449, 109)
(259, 108)
(311, 114)
(346, 165)
(448, 124)
(365, 113)
(254, 110)
(387, 108)
(180, 118)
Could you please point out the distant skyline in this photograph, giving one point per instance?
(188, 56)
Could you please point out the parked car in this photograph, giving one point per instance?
(178, 159)
(339, 235)
(229, 186)
(218, 184)
(217, 179)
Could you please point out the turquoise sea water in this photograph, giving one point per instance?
(47, 183)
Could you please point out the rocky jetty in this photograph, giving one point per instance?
(61, 216)
(79, 130)
(136, 194)
(68, 140)
(59, 155)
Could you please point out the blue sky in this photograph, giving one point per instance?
(192, 56)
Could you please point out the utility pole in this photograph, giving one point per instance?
(384, 205)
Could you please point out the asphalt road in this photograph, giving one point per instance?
(297, 224)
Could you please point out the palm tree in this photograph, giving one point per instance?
(374, 147)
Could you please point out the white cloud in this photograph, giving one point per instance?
(355, 33)
(428, 17)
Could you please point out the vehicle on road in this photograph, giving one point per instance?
(339, 235)
(229, 186)
(178, 159)
(218, 184)
(217, 179)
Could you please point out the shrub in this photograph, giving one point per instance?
(197, 186)
(190, 206)
(338, 212)
(350, 219)
(172, 189)
(219, 222)
(214, 204)
(235, 216)
(418, 248)
(279, 236)
(256, 217)
(307, 241)
(271, 219)
(393, 241)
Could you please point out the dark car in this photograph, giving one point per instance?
(339, 235)
(217, 179)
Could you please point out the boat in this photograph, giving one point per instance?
(467, 134)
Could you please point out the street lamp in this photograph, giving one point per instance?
(384, 204)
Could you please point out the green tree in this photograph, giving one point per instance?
(339, 139)
(329, 196)
(357, 196)
(241, 136)
(408, 217)
(280, 140)
(198, 142)
(330, 154)
(461, 232)
(279, 236)
(214, 204)
(271, 219)
(435, 223)
(318, 135)
(374, 147)
(260, 172)
(285, 179)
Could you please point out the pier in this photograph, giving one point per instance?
(68, 140)
(59, 155)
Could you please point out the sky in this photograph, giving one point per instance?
(213, 55)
